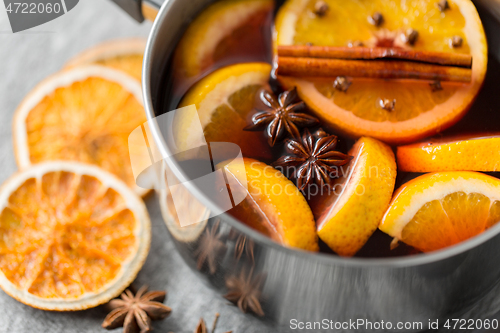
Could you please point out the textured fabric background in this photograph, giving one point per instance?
(25, 59)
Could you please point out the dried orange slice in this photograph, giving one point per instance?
(226, 29)
(224, 100)
(441, 209)
(72, 236)
(350, 210)
(84, 114)
(461, 153)
(419, 111)
(273, 204)
(125, 55)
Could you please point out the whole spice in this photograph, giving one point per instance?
(443, 5)
(321, 8)
(135, 313)
(374, 54)
(202, 326)
(314, 157)
(243, 245)
(378, 69)
(341, 83)
(456, 41)
(320, 133)
(410, 36)
(377, 19)
(210, 247)
(245, 291)
(282, 116)
(436, 86)
(387, 104)
(355, 43)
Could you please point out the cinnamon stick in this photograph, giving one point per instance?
(382, 69)
(367, 53)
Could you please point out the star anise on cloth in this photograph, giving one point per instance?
(135, 313)
(281, 117)
(245, 291)
(210, 247)
(202, 326)
(314, 158)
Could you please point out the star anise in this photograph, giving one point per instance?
(315, 157)
(135, 313)
(245, 291)
(210, 247)
(243, 245)
(281, 117)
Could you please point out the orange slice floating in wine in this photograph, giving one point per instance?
(460, 153)
(350, 210)
(441, 209)
(419, 110)
(273, 205)
(224, 101)
(226, 29)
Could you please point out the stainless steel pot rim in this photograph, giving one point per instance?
(327, 259)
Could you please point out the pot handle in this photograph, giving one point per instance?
(140, 9)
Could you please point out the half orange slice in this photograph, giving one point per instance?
(351, 209)
(273, 205)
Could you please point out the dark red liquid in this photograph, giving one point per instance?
(252, 43)
(249, 43)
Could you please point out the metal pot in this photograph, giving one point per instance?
(294, 286)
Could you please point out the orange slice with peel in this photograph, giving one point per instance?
(84, 114)
(224, 101)
(460, 153)
(419, 111)
(125, 55)
(441, 209)
(273, 205)
(72, 236)
(224, 30)
(350, 210)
